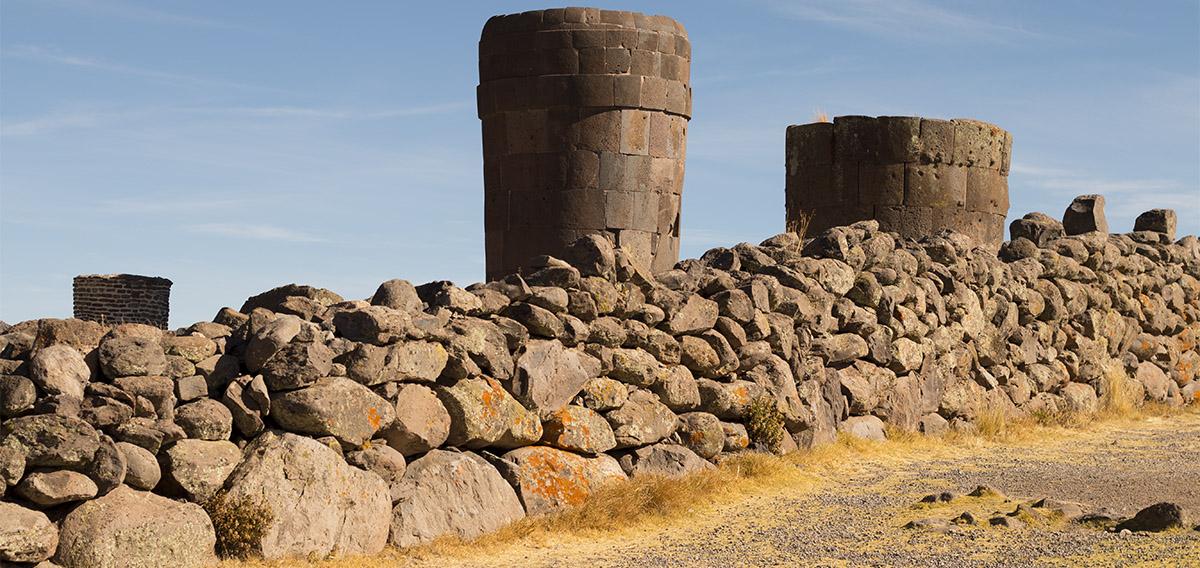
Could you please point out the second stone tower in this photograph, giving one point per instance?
(585, 116)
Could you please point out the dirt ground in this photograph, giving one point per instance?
(853, 515)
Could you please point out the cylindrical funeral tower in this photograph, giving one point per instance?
(122, 298)
(916, 176)
(584, 116)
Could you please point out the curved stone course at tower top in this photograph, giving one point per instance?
(914, 175)
(584, 116)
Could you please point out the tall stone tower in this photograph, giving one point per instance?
(916, 176)
(585, 116)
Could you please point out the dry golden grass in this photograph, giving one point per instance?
(646, 504)
(820, 116)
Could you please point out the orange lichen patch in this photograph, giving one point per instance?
(491, 400)
(741, 394)
(374, 419)
(695, 437)
(548, 476)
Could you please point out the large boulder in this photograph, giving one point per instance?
(1085, 215)
(578, 429)
(59, 369)
(205, 419)
(397, 294)
(1157, 220)
(297, 364)
(383, 461)
(451, 494)
(1155, 381)
(17, 394)
(136, 529)
(421, 424)
(319, 504)
(1038, 228)
(25, 535)
(641, 421)
(696, 315)
(51, 440)
(664, 460)
(132, 356)
(49, 488)
(333, 406)
(548, 376)
(702, 433)
(547, 479)
(483, 414)
(142, 469)
(197, 469)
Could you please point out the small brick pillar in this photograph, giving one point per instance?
(916, 176)
(584, 115)
(123, 298)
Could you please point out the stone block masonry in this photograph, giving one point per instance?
(434, 410)
(585, 116)
(123, 298)
(916, 176)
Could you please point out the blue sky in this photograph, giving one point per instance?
(236, 146)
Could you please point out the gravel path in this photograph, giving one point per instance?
(854, 517)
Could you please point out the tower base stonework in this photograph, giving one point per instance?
(916, 176)
(123, 298)
(584, 115)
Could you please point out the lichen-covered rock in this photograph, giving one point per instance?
(1080, 398)
(142, 470)
(383, 461)
(196, 469)
(702, 433)
(422, 422)
(665, 460)
(547, 479)
(135, 529)
(59, 369)
(642, 420)
(205, 419)
(51, 440)
(483, 414)
(17, 394)
(397, 294)
(319, 504)
(451, 494)
(131, 356)
(727, 401)
(578, 429)
(25, 535)
(49, 488)
(677, 389)
(865, 427)
(296, 365)
(333, 406)
(548, 376)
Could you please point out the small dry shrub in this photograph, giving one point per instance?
(240, 524)
(765, 425)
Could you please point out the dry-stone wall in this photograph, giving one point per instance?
(584, 116)
(123, 298)
(436, 410)
(915, 176)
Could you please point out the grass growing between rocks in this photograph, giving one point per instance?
(643, 507)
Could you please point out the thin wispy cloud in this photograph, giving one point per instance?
(334, 113)
(254, 232)
(907, 19)
(127, 11)
(88, 118)
(47, 55)
(160, 204)
(1068, 181)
